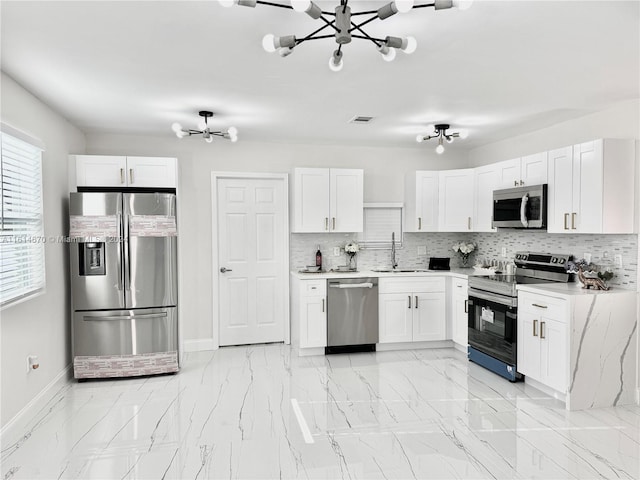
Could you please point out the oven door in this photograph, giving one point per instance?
(492, 325)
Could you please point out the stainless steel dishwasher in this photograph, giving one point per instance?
(352, 320)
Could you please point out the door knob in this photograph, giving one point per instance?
(223, 270)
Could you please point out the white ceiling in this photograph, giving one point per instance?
(499, 69)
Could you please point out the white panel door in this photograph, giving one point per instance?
(101, 171)
(311, 202)
(429, 317)
(560, 190)
(427, 201)
(528, 342)
(251, 232)
(509, 174)
(586, 216)
(159, 172)
(313, 322)
(485, 183)
(456, 200)
(534, 169)
(346, 200)
(395, 317)
(554, 354)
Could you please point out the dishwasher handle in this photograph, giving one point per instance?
(351, 285)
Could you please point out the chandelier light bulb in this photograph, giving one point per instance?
(449, 139)
(388, 54)
(403, 6)
(300, 5)
(232, 131)
(411, 45)
(268, 43)
(464, 133)
(463, 4)
(181, 134)
(419, 138)
(440, 149)
(202, 125)
(176, 127)
(335, 62)
(208, 139)
(227, 3)
(285, 51)
(234, 139)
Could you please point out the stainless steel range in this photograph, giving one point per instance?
(493, 309)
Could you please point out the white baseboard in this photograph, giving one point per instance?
(201, 345)
(387, 347)
(39, 400)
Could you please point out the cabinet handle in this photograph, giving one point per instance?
(535, 328)
(334, 223)
(416, 297)
(573, 221)
(521, 183)
(539, 306)
(326, 223)
(566, 220)
(409, 301)
(466, 306)
(122, 175)
(469, 223)
(419, 223)
(323, 305)
(542, 324)
(515, 183)
(131, 175)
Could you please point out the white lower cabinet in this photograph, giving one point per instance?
(459, 309)
(412, 309)
(543, 353)
(313, 313)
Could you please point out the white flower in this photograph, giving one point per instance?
(464, 248)
(352, 247)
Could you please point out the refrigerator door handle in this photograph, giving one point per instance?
(90, 318)
(119, 254)
(128, 242)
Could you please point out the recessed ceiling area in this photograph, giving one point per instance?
(498, 69)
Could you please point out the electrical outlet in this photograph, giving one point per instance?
(617, 259)
(336, 251)
(504, 252)
(422, 249)
(587, 257)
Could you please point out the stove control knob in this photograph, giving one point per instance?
(561, 261)
(554, 260)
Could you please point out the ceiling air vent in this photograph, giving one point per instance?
(361, 119)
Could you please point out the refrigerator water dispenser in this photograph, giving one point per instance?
(91, 259)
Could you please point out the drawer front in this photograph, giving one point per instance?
(459, 285)
(314, 288)
(551, 307)
(413, 285)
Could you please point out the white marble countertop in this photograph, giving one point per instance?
(454, 272)
(567, 290)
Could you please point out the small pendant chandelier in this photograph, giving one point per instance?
(440, 132)
(231, 133)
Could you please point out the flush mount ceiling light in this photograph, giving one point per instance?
(344, 28)
(440, 132)
(231, 133)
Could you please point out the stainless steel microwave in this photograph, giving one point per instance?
(520, 207)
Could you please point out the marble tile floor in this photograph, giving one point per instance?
(261, 412)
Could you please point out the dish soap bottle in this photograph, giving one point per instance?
(319, 259)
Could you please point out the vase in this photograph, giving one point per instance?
(465, 260)
(353, 262)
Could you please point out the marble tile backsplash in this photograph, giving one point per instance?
(303, 248)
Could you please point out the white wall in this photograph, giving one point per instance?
(384, 181)
(621, 121)
(40, 325)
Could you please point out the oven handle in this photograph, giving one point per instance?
(492, 297)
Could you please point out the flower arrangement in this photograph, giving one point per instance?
(351, 249)
(464, 249)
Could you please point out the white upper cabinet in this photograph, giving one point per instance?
(591, 188)
(328, 200)
(456, 198)
(486, 181)
(120, 171)
(529, 170)
(421, 201)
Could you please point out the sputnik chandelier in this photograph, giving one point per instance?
(440, 132)
(231, 133)
(344, 28)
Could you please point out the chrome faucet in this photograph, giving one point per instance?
(394, 263)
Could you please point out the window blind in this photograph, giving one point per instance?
(380, 220)
(22, 269)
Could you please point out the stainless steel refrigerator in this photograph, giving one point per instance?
(124, 284)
